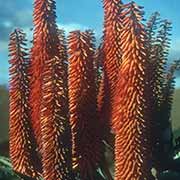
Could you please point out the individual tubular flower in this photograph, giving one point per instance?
(87, 143)
(111, 58)
(22, 142)
(131, 110)
(45, 47)
(55, 127)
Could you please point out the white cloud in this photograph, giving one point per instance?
(75, 26)
(175, 45)
(178, 82)
(72, 26)
(3, 46)
(174, 52)
(7, 24)
(29, 33)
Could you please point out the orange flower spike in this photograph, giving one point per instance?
(45, 47)
(111, 46)
(111, 57)
(22, 143)
(131, 110)
(87, 144)
(55, 127)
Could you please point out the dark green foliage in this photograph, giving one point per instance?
(169, 176)
(6, 172)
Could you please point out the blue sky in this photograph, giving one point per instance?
(78, 14)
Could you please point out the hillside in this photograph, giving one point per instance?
(3, 113)
(176, 113)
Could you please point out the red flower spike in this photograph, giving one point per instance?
(22, 143)
(112, 58)
(45, 47)
(87, 144)
(55, 127)
(131, 108)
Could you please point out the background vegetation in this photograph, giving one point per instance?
(176, 113)
(3, 113)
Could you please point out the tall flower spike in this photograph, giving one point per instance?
(99, 57)
(111, 59)
(63, 52)
(22, 143)
(63, 56)
(160, 57)
(131, 109)
(153, 53)
(55, 127)
(151, 27)
(165, 143)
(87, 144)
(45, 47)
(98, 66)
(158, 60)
(151, 30)
(169, 88)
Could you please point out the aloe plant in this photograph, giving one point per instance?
(68, 103)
